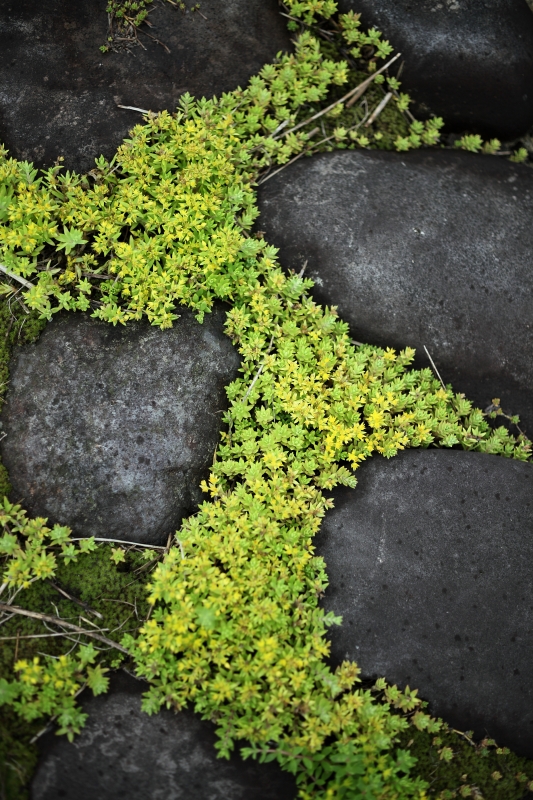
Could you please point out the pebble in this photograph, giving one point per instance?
(427, 248)
(124, 753)
(60, 95)
(110, 430)
(430, 565)
(468, 61)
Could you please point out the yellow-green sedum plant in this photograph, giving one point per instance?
(236, 628)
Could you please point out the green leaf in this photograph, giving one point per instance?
(8, 543)
(87, 545)
(70, 239)
(97, 680)
(8, 691)
(206, 617)
(117, 555)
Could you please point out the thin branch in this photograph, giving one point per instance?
(267, 178)
(16, 277)
(352, 97)
(37, 635)
(309, 150)
(368, 81)
(259, 371)
(119, 541)
(379, 108)
(437, 373)
(134, 108)
(58, 621)
(75, 600)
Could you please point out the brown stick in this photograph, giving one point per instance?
(58, 621)
(75, 600)
(352, 96)
(18, 278)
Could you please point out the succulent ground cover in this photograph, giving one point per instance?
(226, 617)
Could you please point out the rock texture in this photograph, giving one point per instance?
(424, 248)
(124, 753)
(469, 61)
(59, 93)
(430, 565)
(109, 430)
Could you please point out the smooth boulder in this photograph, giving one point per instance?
(419, 249)
(124, 753)
(110, 430)
(468, 61)
(430, 563)
(59, 95)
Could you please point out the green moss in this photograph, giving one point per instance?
(115, 593)
(471, 766)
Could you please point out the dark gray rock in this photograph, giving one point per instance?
(109, 430)
(468, 61)
(59, 93)
(124, 753)
(430, 562)
(424, 248)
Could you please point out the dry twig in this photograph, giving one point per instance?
(63, 623)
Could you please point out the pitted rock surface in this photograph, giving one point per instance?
(426, 248)
(110, 430)
(124, 753)
(59, 94)
(430, 563)
(468, 61)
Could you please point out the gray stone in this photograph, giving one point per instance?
(124, 753)
(109, 430)
(59, 94)
(424, 248)
(430, 562)
(468, 61)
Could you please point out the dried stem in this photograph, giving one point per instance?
(352, 97)
(58, 621)
(15, 277)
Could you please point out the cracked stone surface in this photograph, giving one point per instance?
(468, 61)
(420, 249)
(59, 94)
(110, 430)
(430, 565)
(124, 753)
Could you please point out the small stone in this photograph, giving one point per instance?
(425, 248)
(123, 752)
(468, 61)
(430, 563)
(60, 94)
(110, 430)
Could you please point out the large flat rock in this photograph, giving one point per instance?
(468, 61)
(59, 94)
(124, 753)
(430, 562)
(110, 430)
(425, 248)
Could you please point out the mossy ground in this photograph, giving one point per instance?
(475, 767)
(114, 592)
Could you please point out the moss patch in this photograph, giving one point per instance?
(476, 771)
(115, 592)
